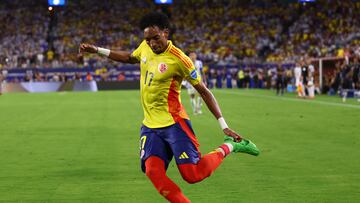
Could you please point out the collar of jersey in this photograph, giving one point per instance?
(169, 46)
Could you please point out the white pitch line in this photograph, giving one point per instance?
(293, 99)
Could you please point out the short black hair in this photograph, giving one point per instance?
(155, 19)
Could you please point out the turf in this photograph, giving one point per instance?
(83, 147)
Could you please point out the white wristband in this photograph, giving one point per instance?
(222, 123)
(104, 52)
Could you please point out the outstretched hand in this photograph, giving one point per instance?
(231, 133)
(89, 48)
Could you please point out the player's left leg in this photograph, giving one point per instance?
(191, 165)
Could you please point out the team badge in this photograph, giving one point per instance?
(193, 74)
(144, 60)
(162, 67)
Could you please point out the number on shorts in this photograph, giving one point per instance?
(142, 142)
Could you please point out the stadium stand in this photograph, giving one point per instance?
(223, 33)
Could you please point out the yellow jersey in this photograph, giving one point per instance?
(160, 83)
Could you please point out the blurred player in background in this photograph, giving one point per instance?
(356, 72)
(2, 79)
(191, 92)
(304, 75)
(280, 80)
(311, 83)
(199, 68)
(166, 130)
(298, 81)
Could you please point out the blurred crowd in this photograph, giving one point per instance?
(23, 35)
(221, 32)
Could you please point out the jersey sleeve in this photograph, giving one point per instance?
(189, 70)
(137, 52)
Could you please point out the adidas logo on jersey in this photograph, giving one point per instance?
(183, 156)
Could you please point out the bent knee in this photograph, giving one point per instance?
(191, 178)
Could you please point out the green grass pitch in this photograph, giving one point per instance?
(83, 147)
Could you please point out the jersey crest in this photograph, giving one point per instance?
(162, 67)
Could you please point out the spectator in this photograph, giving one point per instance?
(240, 81)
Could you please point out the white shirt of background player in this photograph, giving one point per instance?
(310, 85)
(311, 70)
(297, 74)
(199, 68)
(197, 101)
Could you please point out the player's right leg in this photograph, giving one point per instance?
(155, 171)
(184, 145)
(155, 156)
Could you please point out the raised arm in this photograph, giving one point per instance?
(121, 56)
(213, 106)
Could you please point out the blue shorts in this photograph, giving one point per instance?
(177, 140)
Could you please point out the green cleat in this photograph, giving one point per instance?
(245, 146)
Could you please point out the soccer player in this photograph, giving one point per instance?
(199, 68)
(310, 84)
(280, 80)
(304, 76)
(192, 94)
(298, 81)
(2, 79)
(166, 129)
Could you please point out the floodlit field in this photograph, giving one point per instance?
(83, 147)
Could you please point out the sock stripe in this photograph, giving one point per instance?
(231, 147)
(225, 148)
